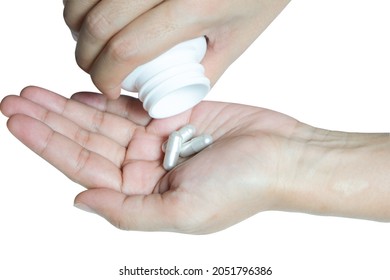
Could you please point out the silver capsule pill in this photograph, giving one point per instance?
(187, 132)
(195, 145)
(172, 150)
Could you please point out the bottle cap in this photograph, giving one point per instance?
(173, 82)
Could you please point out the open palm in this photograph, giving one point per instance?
(113, 148)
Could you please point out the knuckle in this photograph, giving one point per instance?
(69, 18)
(121, 50)
(71, 15)
(83, 63)
(97, 25)
(81, 161)
(46, 144)
(97, 120)
(82, 137)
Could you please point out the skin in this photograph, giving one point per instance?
(261, 160)
(116, 36)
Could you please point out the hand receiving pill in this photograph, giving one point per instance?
(181, 144)
(258, 162)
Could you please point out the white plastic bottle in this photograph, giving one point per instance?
(173, 82)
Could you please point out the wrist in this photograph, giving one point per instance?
(336, 173)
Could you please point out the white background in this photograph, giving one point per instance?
(326, 63)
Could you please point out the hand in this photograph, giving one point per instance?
(113, 148)
(116, 36)
(260, 160)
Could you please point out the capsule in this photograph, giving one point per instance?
(187, 132)
(172, 151)
(195, 145)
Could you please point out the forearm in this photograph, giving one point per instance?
(341, 174)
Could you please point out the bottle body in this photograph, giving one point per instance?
(173, 82)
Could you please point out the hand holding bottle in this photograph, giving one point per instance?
(116, 36)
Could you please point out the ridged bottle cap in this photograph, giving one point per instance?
(173, 82)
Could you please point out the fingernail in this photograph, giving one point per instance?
(84, 207)
(75, 35)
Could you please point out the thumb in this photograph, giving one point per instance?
(153, 212)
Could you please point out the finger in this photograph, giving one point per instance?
(91, 141)
(79, 164)
(116, 128)
(125, 106)
(142, 167)
(103, 22)
(153, 212)
(148, 36)
(75, 12)
(131, 109)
